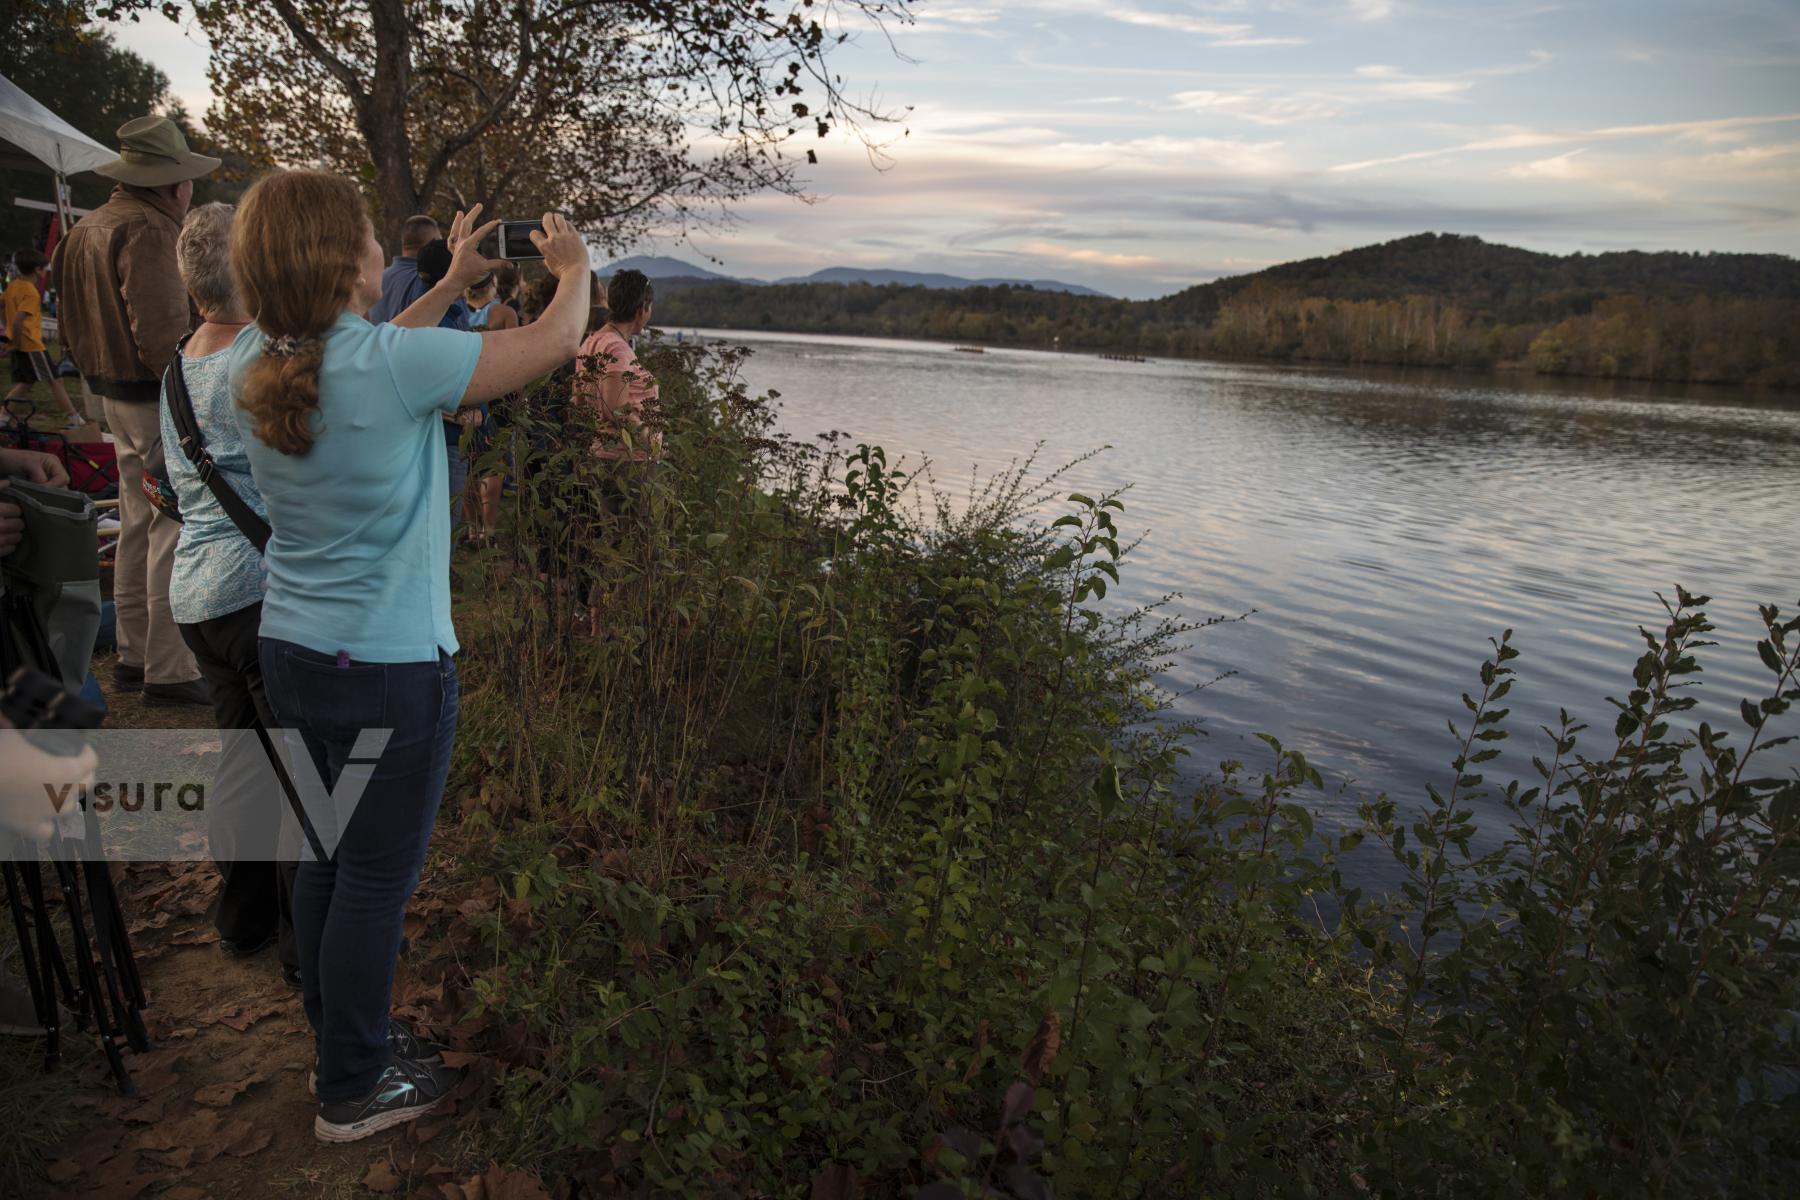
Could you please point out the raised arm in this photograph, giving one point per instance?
(467, 264)
(512, 358)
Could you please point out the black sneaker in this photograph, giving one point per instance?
(405, 1042)
(246, 947)
(126, 675)
(194, 691)
(406, 1091)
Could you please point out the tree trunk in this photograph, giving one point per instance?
(381, 118)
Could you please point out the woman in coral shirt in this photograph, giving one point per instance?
(610, 378)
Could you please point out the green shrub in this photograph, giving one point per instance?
(851, 854)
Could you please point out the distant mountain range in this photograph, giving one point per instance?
(662, 267)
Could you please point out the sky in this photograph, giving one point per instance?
(1144, 146)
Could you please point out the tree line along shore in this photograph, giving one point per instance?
(1437, 300)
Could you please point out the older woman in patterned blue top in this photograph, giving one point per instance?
(216, 594)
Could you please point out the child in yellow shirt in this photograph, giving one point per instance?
(24, 312)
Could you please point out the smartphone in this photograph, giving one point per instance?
(515, 239)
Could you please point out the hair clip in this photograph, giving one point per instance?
(285, 346)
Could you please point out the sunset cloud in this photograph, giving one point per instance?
(1076, 254)
(1528, 139)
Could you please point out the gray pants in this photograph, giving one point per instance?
(146, 628)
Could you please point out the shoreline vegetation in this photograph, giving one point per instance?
(1436, 300)
(850, 861)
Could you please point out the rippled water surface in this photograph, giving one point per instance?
(1383, 525)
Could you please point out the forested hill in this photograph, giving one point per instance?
(1430, 299)
(1504, 283)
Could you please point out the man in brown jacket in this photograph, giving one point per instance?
(123, 312)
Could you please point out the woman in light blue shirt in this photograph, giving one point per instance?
(341, 424)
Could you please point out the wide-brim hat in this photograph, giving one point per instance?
(153, 153)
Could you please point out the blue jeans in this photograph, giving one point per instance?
(348, 912)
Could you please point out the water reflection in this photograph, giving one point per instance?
(1383, 525)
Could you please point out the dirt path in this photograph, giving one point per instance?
(222, 1109)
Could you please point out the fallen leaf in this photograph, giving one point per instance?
(424, 1131)
(199, 1130)
(380, 1177)
(460, 1058)
(837, 1181)
(981, 1037)
(63, 1170)
(154, 921)
(133, 1110)
(125, 1187)
(220, 1095)
(502, 1183)
(181, 1157)
(154, 1080)
(247, 1140)
(244, 1015)
(1044, 1045)
(185, 1193)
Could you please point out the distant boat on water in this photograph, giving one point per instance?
(1130, 358)
(971, 350)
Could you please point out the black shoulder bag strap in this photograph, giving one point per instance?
(253, 527)
(193, 444)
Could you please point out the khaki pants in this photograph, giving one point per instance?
(146, 629)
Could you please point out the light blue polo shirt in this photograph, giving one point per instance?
(360, 556)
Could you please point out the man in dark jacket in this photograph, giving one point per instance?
(123, 312)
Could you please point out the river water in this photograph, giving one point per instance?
(1382, 524)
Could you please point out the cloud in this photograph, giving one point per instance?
(1220, 33)
(1375, 83)
(1261, 107)
(1395, 84)
(1311, 210)
(959, 14)
(978, 149)
(1750, 156)
(1260, 41)
(1571, 167)
(1530, 139)
(1714, 137)
(1562, 167)
(1371, 10)
(952, 20)
(1090, 258)
(1174, 21)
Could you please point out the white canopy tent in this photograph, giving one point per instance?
(34, 138)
